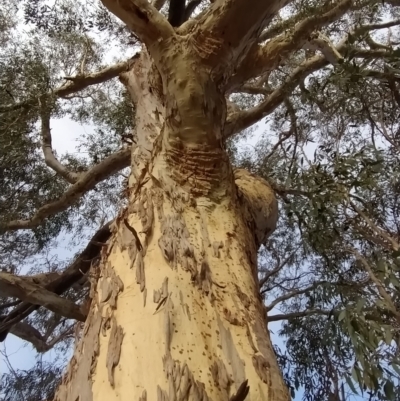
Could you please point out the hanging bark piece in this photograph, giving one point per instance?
(161, 394)
(140, 278)
(230, 318)
(231, 354)
(205, 280)
(250, 338)
(114, 350)
(143, 397)
(131, 241)
(185, 306)
(110, 287)
(220, 376)
(217, 245)
(182, 385)
(144, 297)
(168, 329)
(241, 393)
(243, 297)
(175, 243)
(158, 199)
(262, 368)
(148, 218)
(228, 243)
(162, 293)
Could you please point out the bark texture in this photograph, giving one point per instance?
(176, 312)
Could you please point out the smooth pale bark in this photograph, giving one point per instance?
(176, 312)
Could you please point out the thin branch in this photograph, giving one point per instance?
(143, 19)
(253, 90)
(57, 339)
(76, 84)
(9, 305)
(375, 228)
(278, 268)
(28, 333)
(106, 168)
(293, 293)
(49, 157)
(283, 137)
(386, 134)
(374, 27)
(294, 315)
(381, 289)
(14, 286)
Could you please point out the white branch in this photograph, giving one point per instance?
(49, 157)
(14, 286)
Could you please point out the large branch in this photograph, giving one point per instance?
(241, 120)
(17, 287)
(86, 182)
(75, 272)
(230, 27)
(143, 19)
(76, 84)
(266, 57)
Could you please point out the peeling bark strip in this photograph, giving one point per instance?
(140, 278)
(242, 392)
(143, 397)
(220, 376)
(110, 287)
(175, 244)
(114, 349)
(181, 383)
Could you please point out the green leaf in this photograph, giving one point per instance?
(396, 368)
(342, 315)
(356, 374)
(388, 388)
(360, 304)
(381, 265)
(351, 384)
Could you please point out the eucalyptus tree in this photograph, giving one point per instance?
(205, 244)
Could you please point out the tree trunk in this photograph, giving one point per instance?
(176, 312)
